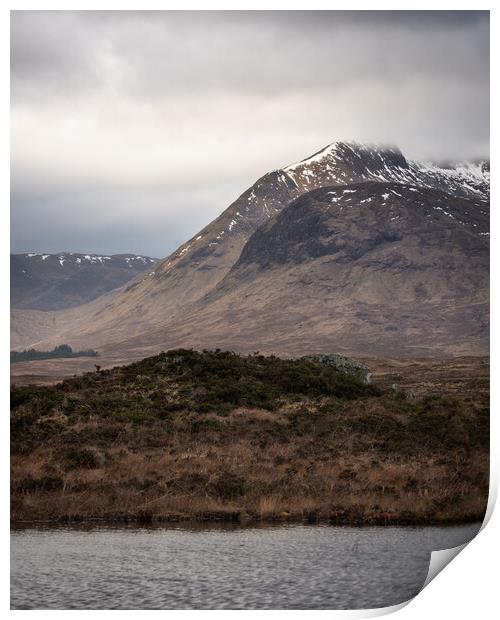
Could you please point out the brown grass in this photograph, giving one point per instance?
(277, 484)
(375, 459)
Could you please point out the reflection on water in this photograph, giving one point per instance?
(282, 567)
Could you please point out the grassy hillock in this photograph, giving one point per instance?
(215, 435)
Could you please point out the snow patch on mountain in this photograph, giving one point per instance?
(80, 259)
(346, 162)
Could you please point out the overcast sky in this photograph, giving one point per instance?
(131, 131)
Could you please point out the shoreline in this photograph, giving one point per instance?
(244, 519)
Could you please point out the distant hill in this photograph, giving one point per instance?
(59, 281)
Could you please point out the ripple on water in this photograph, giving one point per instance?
(282, 567)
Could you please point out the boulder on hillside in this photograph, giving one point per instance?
(343, 364)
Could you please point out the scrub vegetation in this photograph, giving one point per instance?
(215, 435)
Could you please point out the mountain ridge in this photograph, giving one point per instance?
(56, 281)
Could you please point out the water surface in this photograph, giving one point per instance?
(225, 567)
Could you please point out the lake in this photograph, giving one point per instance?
(224, 566)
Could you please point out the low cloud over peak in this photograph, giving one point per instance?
(131, 130)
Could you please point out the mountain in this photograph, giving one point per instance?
(67, 279)
(354, 248)
(199, 264)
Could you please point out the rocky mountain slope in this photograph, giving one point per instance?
(354, 249)
(371, 268)
(67, 279)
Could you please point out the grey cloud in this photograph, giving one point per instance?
(162, 54)
(133, 128)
